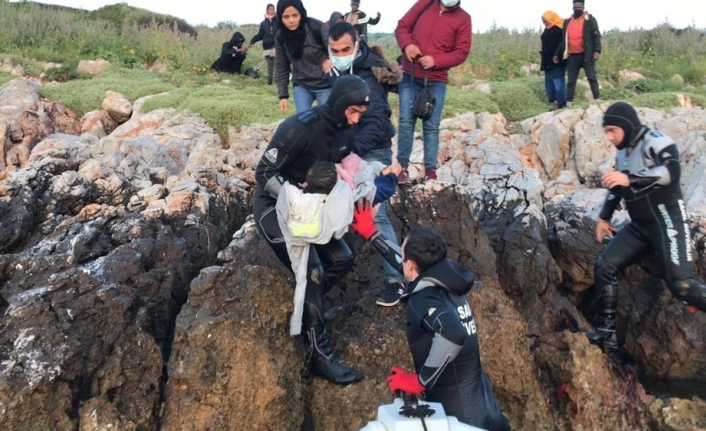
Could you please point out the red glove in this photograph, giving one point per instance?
(363, 220)
(401, 380)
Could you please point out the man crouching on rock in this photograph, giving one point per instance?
(647, 177)
(441, 329)
(322, 133)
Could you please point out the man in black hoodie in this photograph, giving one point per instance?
(647, 177)
(267, 33)
(322, 133)
(233, 54)
(441, 329)
(374, 132)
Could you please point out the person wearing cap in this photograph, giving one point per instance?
(322, 133)
(646, 176)
(435, 35)
(300, 51)
(266, 34)
(360, 20)
(581, 48)
(554, 82)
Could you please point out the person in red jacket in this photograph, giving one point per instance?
(435, 35)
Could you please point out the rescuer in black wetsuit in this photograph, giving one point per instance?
(322, 133)
(441, 329)
(647, 178)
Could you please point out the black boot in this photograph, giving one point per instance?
(319, 356)
(604, 334)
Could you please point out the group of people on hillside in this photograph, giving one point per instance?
(569, 45)
(329, 168)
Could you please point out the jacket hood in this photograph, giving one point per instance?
(334, 17)
(347, 91)
(447, 275)
(237, 38)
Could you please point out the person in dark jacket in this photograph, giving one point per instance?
(554, 82)
(233, 54)
(360, 20)
(647, 177)
(581, 48)
(267, 33)
(434, 36)
(300, 50)
(322, 133)
(441, 329)
(374, 132)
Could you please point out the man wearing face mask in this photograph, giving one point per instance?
(581, 48)
(435, 35)
(374, 132)
(322, 133)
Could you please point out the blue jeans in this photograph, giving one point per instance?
(555, 85)
(382, 221)
(405, 135)
(304, 97)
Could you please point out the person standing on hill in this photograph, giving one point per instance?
(267, 33)
(554, 82)
(581, 48)
(301, 51)
(360, 20)
(435, 35)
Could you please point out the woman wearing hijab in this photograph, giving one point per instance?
(300, 50)
(554, 82)
(268, 30)
(232, 56)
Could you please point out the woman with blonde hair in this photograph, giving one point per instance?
(554, 82)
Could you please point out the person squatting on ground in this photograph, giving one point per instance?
(266, 34)
(581, 48)
(441, 329)
(360, 20)
(554, 82)
(436, 35)
(233, 54)
(374, 132)
(301, 51)
(647, 178)
(322, 133)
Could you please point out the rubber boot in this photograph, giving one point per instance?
(319, 355)
(604, 334)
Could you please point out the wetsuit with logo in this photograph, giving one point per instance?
(442, 336)
(658, 220)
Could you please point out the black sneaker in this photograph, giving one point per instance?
(391, 294)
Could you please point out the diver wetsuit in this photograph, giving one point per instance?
(658, 217)
(321, 133)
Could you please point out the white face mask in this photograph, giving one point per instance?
(345, 62)
(450, 3)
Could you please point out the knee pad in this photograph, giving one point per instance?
(686, 290)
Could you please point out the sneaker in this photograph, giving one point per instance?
(403, 177)
(430, 175)
(568, 104)
(391, 294)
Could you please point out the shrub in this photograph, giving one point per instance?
(516, 100)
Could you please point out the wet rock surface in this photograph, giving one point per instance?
(135, 295)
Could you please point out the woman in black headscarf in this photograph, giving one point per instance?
(232, 55)
(300, 49)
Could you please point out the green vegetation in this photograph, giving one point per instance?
(133, 39)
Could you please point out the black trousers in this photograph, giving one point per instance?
(668, 238)
(270, 68)
(328, 263)
(574, 64)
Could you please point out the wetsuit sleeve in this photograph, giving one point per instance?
(259, 36)
(433, 314)
(284, 148)
(282, 69)
(612, 200)
(665, 171)
(385, 186)
(390, 251)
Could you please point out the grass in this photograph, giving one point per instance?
(132, 39)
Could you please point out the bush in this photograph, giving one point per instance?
(516, 100)
(462, 101)
(5, 78)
